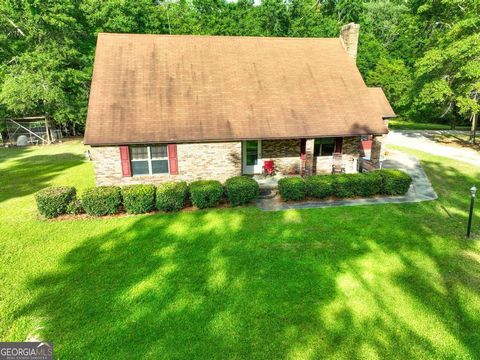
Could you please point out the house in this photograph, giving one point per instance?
(181, 107)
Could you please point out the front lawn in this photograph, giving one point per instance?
(399, 124)
(380, 281)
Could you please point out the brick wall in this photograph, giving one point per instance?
(195, 162)
(221, 160)
(285, 154)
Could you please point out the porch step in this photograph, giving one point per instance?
(267, 193)
(267, 182)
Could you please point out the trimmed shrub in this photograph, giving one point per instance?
(172, 196)
(138, 199)
(319, 186)
(53, 201)
(394, 182)
(368, 184)
(241, 190)
(206, 193)
(291, 188)
(350, 185)
(345, 185)
(102, 200)
(75, 207)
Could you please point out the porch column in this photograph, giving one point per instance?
(378, 150)
(309, 165)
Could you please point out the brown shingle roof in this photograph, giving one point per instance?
(381, 102)
(164, 88)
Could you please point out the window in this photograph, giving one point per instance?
(149, 160)
(324, 147)
(251, 152)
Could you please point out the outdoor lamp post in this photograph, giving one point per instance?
(473, 191)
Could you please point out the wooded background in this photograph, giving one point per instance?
(424, 54)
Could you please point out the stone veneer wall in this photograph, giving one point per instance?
(350, 152)
(377, 153)
(285, 154)
(349, 34)
(217, 161)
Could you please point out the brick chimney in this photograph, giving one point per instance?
(349, 36)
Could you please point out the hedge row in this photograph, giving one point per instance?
(380, 182)
(142, 198)
(239, 190)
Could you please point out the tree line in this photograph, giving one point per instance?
(425, 54)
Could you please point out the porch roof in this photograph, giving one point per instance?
(173, 88)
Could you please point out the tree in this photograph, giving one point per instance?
(46, 71)
(395, 79)
(139, 16)
(385, 20)
(274, 19)
(448, 76)
(307, 20)
(370, 51)
(344, 11)
(47, 47)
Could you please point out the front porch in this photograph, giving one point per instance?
(420, 190)
(300, 157)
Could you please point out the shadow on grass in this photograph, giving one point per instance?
(460, 141)
(29, 174)
(389, 281)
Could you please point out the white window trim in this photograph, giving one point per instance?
(149, 161)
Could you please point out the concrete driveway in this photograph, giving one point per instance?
(419, 140)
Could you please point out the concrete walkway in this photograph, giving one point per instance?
(420, 190)
(268, 182)
(419, 140)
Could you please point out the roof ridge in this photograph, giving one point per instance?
(222, 36)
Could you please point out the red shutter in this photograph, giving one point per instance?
(125, 158)
(338, 144)
(172, 159)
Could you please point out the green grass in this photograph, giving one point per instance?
(383, 281)
(410, 125)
